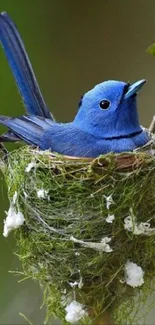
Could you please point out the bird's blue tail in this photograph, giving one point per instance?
(21, 68)
(28, 128)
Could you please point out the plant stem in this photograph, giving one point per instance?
(152, 125)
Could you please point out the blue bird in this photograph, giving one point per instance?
(106, 121)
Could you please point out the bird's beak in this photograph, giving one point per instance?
(134, 88)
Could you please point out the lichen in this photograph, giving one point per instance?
(82, 194)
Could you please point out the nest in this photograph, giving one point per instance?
(84, 221)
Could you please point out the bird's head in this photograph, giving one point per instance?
(109, 109)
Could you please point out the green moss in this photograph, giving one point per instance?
(75, 205)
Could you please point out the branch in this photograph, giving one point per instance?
(152, 125)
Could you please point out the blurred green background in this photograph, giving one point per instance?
(72, 45)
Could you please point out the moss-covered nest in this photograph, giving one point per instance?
(86, 221)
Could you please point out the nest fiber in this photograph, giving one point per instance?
(89, 231)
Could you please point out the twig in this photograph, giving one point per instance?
(152, 125)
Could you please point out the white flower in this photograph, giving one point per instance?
(133, 274)
(42, 194)
(31, 165)
(109, 201)
(73, 284)
(130, 224)
(110, 218)
(78, 283)
(75, 311)
(13, 220)
(105, 244)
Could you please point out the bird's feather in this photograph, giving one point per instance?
(9, 137)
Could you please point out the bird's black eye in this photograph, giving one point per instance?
(104, 104)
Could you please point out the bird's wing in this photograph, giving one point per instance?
(64, 138)
(21, 67)
(41, 132)
(69, 140)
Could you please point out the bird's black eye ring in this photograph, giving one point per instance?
(104, 104)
